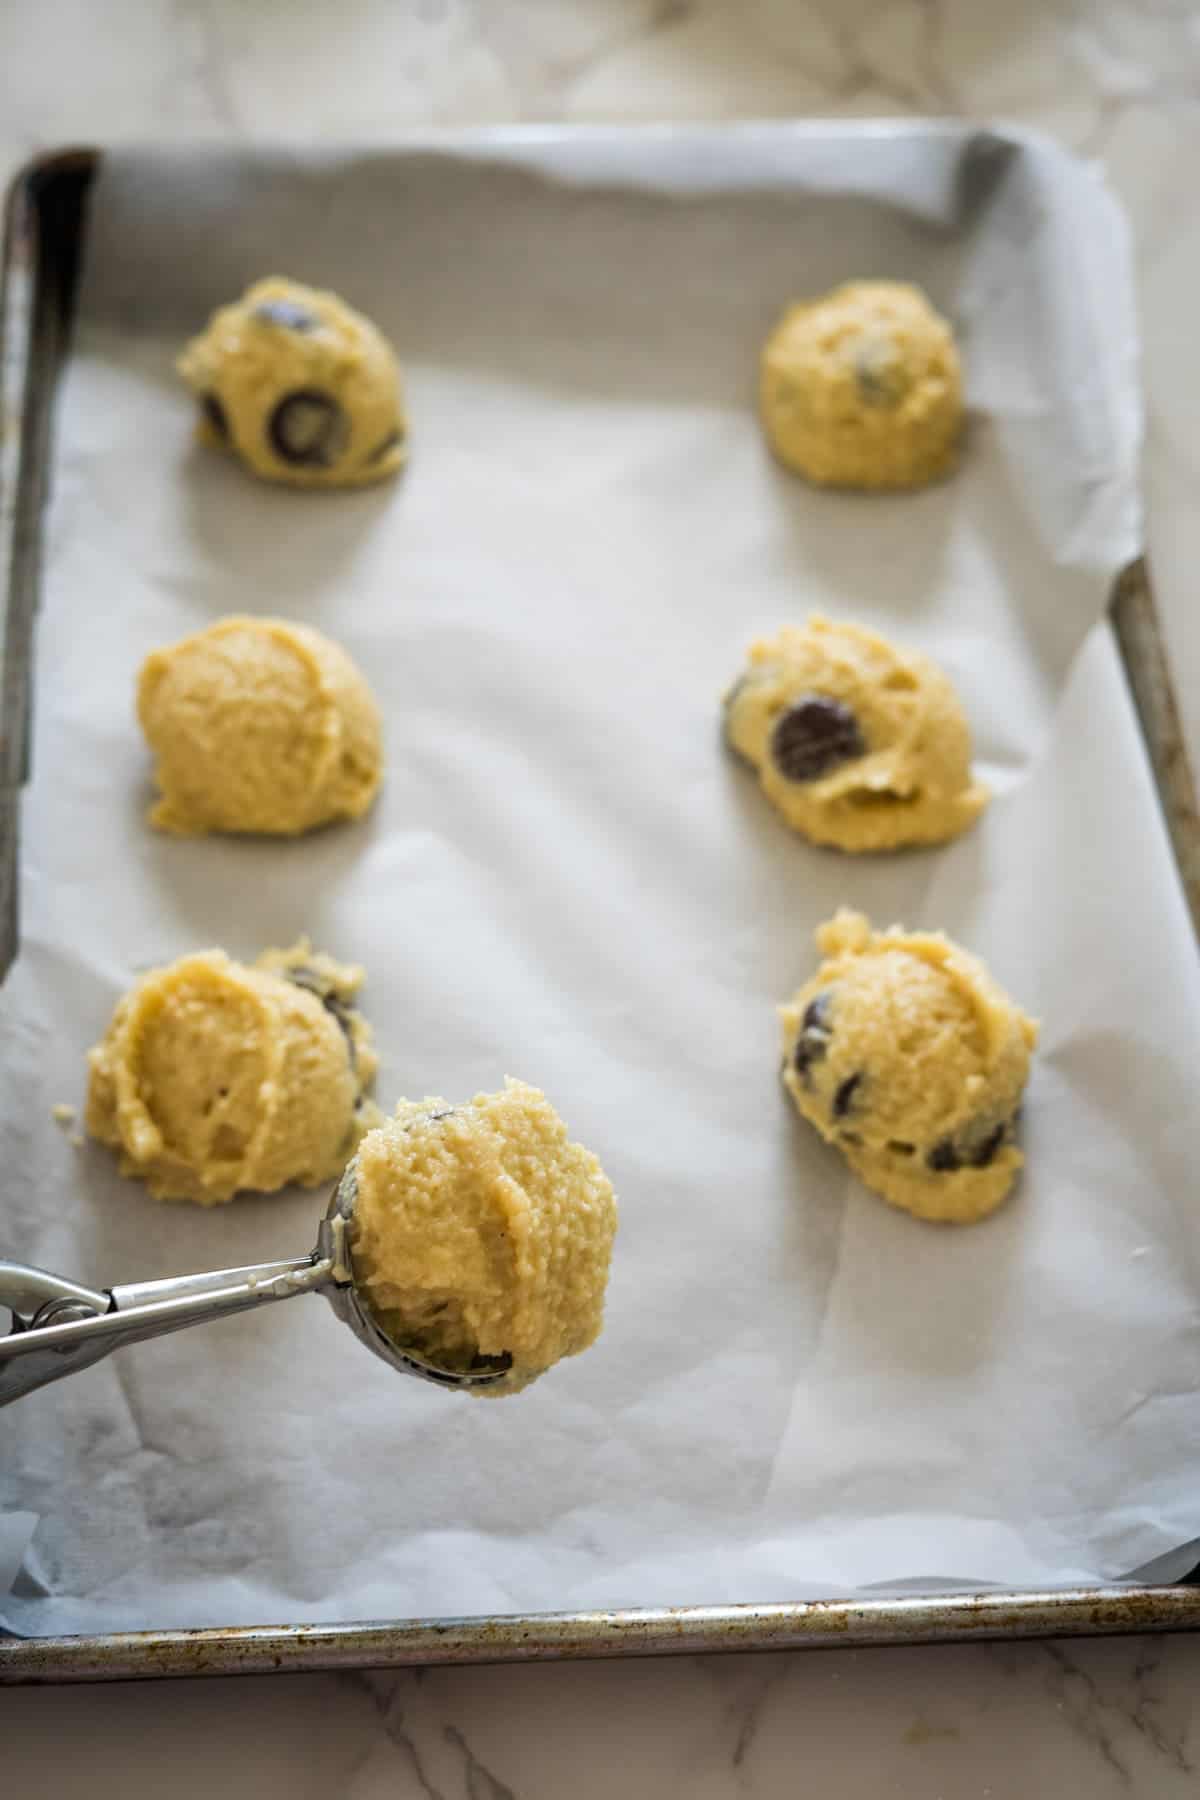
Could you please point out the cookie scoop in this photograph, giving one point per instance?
(467, 1246)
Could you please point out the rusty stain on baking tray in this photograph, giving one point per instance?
(45, 221)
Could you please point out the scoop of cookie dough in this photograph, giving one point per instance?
(904, 1052)
(300, 386)
(480, 1230)
(258, 725)
(216, 1077)
(857, 743)
(863, 389)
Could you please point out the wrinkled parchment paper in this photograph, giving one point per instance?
(798, 1390)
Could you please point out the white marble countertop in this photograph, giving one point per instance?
(1118, 80)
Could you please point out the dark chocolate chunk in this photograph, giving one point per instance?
(983, 1154)
(814, 1037)
(216, 415)
(972, 1153)
(430, 1118)
(308, 428)
(340, 1010)
(302, 976)
(813, 736)
(816, 1013)
(287, 314)
(843, 1098)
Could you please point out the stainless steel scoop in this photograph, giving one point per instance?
(60, 1326)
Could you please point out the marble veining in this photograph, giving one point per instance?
(1100, 1720)
(1118, 80)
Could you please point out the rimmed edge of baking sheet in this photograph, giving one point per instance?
(44, 226)
(587, 1636)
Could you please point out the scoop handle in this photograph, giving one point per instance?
(74, 1327)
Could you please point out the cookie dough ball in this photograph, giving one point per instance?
(258, 725)
(863, 388)
(216, 1077)
(857, 743)
(904, 1052)
(481, 1231)
(300, 386)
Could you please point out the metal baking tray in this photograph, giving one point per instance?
(44, 233)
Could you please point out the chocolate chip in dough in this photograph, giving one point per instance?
(340, 1010)
(980, 1153)
(814, 1037)
(430, 1118)
(983, 1154)
(287, 314)
(216, 415)
(813, 736)
(843, 1098)
(308, 428)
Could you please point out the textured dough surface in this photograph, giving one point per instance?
(862, 388)
(258, 725)
(217, 1077)
(300, 386)
(887, 765)
(905, 1053)
(481, 1230)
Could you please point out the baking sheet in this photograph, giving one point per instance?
(797, 1391)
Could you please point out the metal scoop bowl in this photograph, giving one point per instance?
(59, 1326)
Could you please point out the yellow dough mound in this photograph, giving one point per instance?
(904, 1052)
(215, 1077)
(300, 386)
(863, 388)
(481, 1230)
(258, 725)
(858, 744)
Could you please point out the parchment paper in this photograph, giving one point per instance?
(798, 1390)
